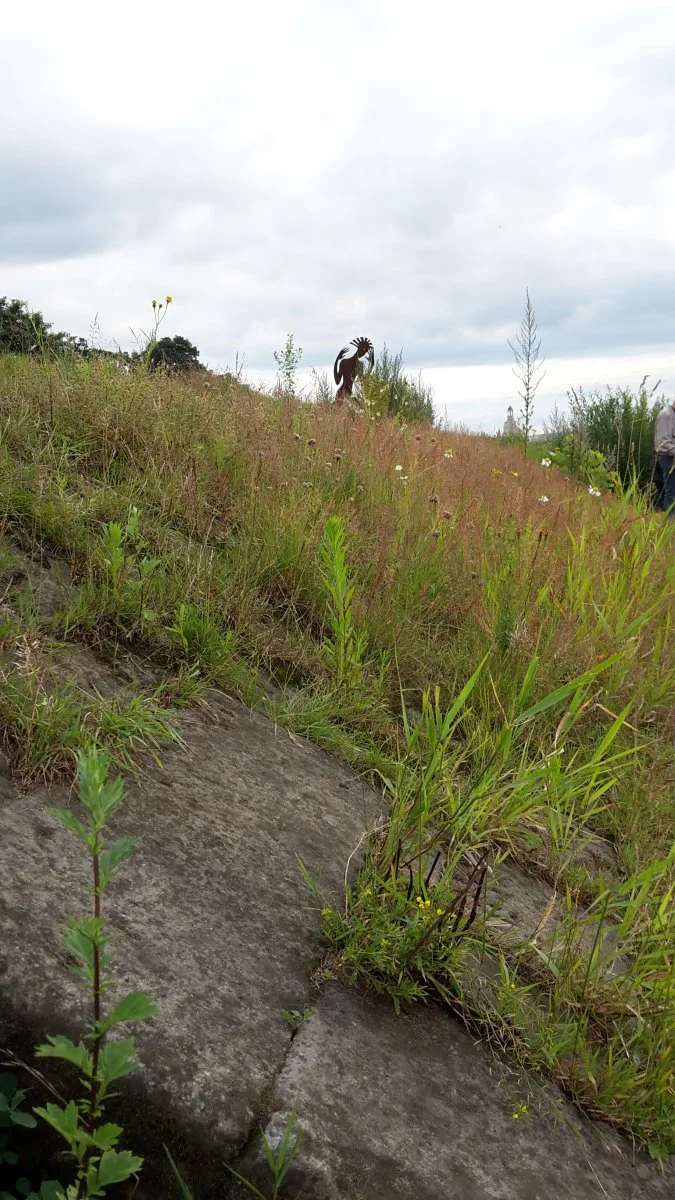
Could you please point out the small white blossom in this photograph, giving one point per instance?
(593, 491)
(398, 468)
(545, 462)
(403, 478)
(543, 499)
(448, 454)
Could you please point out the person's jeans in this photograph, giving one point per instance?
(667, 465)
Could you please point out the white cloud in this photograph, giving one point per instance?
(380, 168)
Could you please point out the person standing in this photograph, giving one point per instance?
(664, 445)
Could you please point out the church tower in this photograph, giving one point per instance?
(510, 425)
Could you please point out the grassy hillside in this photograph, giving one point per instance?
(195, 519)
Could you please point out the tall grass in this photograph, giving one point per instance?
(368, 570)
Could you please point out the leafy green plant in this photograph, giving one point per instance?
(278, 1160)
(345, 648)
(49, 1190)
(11, 1114)
(128, 568)
(411, 915)
(200, 639)
(288, 361)
(92, 1141)
(143, 359)
(387, 389)
(589, 465)
(296, 1017)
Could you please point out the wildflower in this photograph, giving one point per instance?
(154, 304)
(543, 499)
(448, 454)
(169, 299)
(495, 473)
(593, 491)
(384, 942)
(326, 912)
(398, 467)
(520, 1111)
(516, 474)
(545, 462)
(427, 903)
(403, 478)
(439, 912)
(368, 892)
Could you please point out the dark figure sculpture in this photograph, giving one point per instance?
(346, 365)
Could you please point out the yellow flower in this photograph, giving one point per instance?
(495, 473)
(515, 474)
(169, 299)
(439, 912)
(427, 903)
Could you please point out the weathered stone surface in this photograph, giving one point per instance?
(46, 578)
(411, 1106)
(213, 917)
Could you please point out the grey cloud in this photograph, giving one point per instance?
(418, 223)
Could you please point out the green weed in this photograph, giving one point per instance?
(92, 1142)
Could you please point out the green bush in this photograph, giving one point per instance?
(619, 425)
(409, 399)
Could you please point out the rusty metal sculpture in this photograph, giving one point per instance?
(347, 363)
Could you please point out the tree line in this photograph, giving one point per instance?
(25, 331)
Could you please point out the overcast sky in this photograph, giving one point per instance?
(401, 170)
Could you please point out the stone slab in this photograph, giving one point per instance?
(413, 1106)
(212, 917)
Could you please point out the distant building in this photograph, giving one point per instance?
(511, 426)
